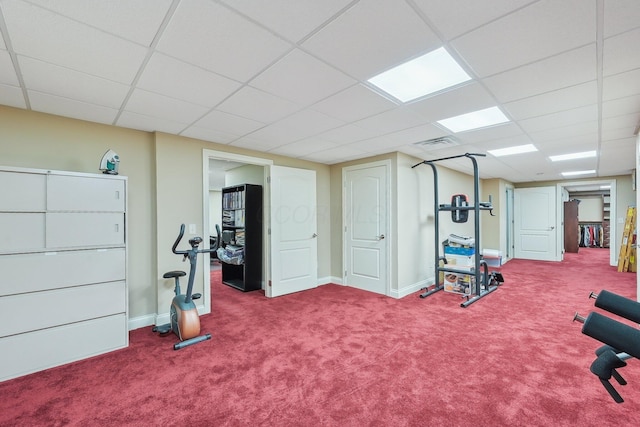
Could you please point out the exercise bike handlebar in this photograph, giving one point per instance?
(195, 240)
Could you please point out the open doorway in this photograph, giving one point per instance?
(220, 170)
(598, 200)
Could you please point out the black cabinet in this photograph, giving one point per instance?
(242, 237)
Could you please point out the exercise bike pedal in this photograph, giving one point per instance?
(196, 296)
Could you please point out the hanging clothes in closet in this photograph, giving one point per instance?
(591, 235)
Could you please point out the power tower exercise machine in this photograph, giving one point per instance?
(482, 282)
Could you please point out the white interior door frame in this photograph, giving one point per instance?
(613, 239)
(222, 155)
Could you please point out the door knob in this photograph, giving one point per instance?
(380, 237)
(314, 235)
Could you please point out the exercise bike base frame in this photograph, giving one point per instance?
(191, 341)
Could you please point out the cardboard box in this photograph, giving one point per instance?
(459, 283)
(461, 260)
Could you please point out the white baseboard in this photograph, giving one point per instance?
(154, 319)
(329, 279)
(143, 321)
(408, 290)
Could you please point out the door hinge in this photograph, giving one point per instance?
(268, 180)
(269, 231)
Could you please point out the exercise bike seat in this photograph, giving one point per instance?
(173, 274)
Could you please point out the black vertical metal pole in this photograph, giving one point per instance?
(476, 219)
(436, 224)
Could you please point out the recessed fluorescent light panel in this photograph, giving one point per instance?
(583, 155)
(519, 149)
(475, 120)
(421, 76)
(577, 173)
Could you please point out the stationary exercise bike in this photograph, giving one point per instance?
(184, 320)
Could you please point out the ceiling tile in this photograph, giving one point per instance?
(170, 77)
(555, 101)
(377, 145)
(136, 20)
(211, 36)
(626, 122)
(621, 85)
(616, 55)
(66, 107)
(391, 121)
(332, 156)
(347, 134)
(304, 147)
(540, 30)
(461, 100)
(505, 130)
(415, 134)
(566, 132)
(620, 16)
(162, 107)
(41, 34)
(455, 17)
(564, 70)
(354, 103)
(291, 19)
(295, 127)
(301, 78)
(560, 119)
(257, 143)
(616, 133)
(621, 106)
(59, 81)
(257, 105)
(150, 124)
(212, 135)
(228, 123)
(7, 70)
(12, 96)
(371, 37)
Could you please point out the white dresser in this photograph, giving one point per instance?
(63, 275)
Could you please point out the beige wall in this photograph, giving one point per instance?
(166, 189)
(164, 182)
(412, 246)
(35, 140)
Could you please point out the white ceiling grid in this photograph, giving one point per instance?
(290, 76)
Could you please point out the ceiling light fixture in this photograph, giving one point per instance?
(421, 76)
(519, 149)
(578, 173)
(475, 120)
(605, 187)
(582, 155)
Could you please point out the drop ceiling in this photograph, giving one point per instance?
(289, 77)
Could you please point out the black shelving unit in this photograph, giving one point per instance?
(242, 229)
(483, 284)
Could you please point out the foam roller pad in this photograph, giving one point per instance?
(621, 306)
(613, 333)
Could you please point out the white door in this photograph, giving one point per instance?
(294, 249)
(535, 222)
(366, 227)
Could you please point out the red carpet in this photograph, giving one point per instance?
(336, 356)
